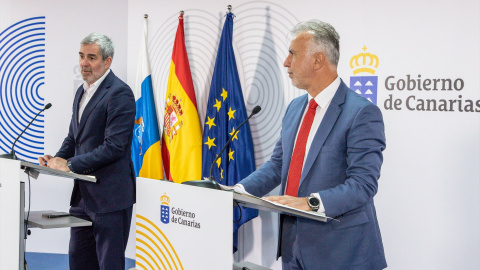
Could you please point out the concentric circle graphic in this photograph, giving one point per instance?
(260, 43)
(22, 75)
(154, 250)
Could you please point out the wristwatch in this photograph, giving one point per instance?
(313, 202)
(69, 165)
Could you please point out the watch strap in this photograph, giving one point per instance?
(69, 165)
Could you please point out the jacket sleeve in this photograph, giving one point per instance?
(365, 143)
(269, 175)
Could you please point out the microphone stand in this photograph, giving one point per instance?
(210, 182)
(12, 155)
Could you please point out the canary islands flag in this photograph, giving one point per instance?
(146, 153)
(182, 134)
(225, 112)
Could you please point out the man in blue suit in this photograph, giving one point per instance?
(98, 143)
(327, 159)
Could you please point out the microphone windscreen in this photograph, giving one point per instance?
(48, 106)
(256, 109)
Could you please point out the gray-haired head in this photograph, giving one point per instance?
(323, 35)
(107, 48)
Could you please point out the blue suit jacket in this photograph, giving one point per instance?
(343, 165)
(100, 145)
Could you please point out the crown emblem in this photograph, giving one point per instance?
(364, 62)
(165, 199)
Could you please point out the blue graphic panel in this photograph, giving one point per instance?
(365, 86)
(164, 214)
(22, 76)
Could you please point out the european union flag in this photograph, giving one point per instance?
(225, 112)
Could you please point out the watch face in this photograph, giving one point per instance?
(314, 201)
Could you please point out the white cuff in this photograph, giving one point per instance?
(239, 188)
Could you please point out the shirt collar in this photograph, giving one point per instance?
(92, 87)
(324, 97)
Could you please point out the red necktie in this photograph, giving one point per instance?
(296, 164)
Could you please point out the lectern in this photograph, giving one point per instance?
(186, 227)
(12, 209)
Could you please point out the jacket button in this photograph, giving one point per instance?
(78, 145)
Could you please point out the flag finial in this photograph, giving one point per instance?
(229, 7)
(145, 16)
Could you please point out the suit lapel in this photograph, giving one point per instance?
(329, 119)
(76, 104)
(99, 94)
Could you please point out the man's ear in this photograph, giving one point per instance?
(108, 62)
(319, 60)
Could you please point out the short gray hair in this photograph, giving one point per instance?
(323, 35)
(107, 48)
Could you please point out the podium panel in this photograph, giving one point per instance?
(182, 227)
(10, 214)
(12, 199)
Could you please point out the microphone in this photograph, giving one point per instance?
(12, 155)
(254, 111)
(210, 182)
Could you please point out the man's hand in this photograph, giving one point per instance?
(44, 160)
(294, 202)
(58, 163)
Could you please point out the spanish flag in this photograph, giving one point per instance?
(182, 134)
(146, 154)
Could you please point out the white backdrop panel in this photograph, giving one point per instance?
(428, 202)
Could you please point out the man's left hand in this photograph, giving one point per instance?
(294, 202)
(59, 164)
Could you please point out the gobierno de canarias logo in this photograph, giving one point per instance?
(164, 209)
(365, 85)
(175, 215)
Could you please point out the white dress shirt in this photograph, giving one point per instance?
(88, 91)
(323, 100)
